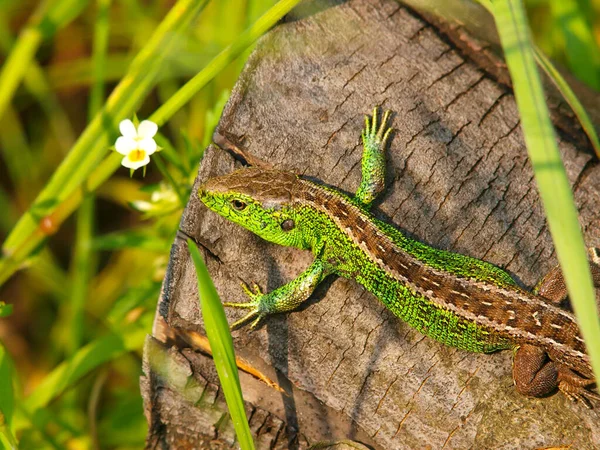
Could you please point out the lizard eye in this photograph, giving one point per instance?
(287, 225)
(239, 205)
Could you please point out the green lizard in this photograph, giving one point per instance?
(458, 300)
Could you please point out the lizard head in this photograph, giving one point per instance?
(259, 200)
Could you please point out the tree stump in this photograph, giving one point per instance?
(458, 178)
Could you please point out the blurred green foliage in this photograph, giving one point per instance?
(568, 31)
(80, 309)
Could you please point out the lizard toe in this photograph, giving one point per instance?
(248, 317)
(576, 387)
(246, 305)
(253, 291)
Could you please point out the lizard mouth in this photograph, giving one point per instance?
(202, 194)
(205, 196)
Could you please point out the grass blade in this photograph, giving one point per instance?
(221, 344)
(36, 82)
(91, 146)
(570, 97)
(7, 400)
(553, 184)
(59, 200)
(43, 20)
(99, 56)
(183, 95)
(564, 88)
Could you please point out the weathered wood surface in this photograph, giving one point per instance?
(458, 178)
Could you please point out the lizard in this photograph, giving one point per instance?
(455, 299)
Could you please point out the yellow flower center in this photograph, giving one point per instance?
(137, 155)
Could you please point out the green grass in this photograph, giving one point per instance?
(91, 314)
(221, 344)
(85, 246)
(566, 31)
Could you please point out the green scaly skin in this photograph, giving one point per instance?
(344, 258)
(455, 299)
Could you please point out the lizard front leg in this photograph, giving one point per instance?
(374, 137)
(285, 298)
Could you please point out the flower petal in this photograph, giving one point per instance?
(126, 162)
(127, 129)
(141, 205)
(125, 144)
(147, 129)
(148, 145)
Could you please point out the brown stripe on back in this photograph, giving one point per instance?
(515, 314)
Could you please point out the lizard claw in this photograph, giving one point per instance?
(377, 133)
(576, 388)
(580, 394)
(248, 317)
(255, 293)
(253, 290)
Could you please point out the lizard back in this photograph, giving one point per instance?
(456, 299)
(476, 292)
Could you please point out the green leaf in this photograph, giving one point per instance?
(5, 310)
(570, 97)
(140, 239)
(581, 49)
(221, 344)
(7, 400)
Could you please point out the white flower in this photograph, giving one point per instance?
(136, 145)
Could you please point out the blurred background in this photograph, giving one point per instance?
(83, 302)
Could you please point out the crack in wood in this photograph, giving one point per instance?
(446, 75)
(353, 77)
(468, 90)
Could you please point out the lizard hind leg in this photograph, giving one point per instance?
(576, 387)
(553, 287)
(534, 374)
(374, 137)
